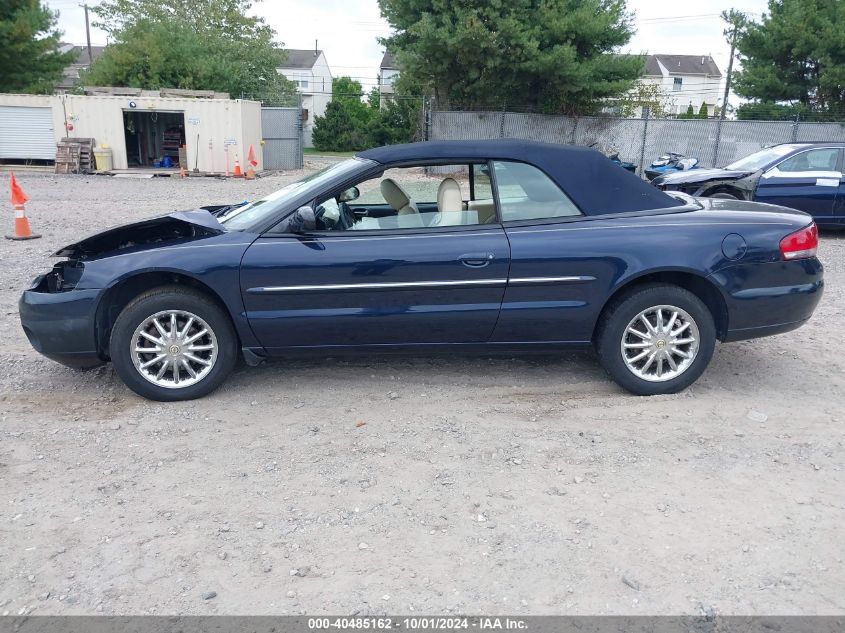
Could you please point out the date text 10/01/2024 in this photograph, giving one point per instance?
(418, 623)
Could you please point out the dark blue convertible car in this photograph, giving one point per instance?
(470, 246)
(803, 176)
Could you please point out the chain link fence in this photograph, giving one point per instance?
(715, 143)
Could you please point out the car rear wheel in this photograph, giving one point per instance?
(656, 339)
(173, 343)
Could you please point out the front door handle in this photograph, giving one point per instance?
(476, 260)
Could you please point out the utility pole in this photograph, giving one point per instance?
(88, 33)
(736, 20)
(728, 79)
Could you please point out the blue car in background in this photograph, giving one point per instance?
(803, 176)
(455, 246)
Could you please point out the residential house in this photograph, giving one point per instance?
(71, 74)
(310, 71)
(686, 80)
(387, 76)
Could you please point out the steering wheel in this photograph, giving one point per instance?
(343, 221)
(347, 216)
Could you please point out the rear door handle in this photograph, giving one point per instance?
(476, 260)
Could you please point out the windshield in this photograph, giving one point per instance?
(243, 217)
(761, 159)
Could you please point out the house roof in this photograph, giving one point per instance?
(682, 65)
(83, 58)
(595, 185)
(388, 62)
(82, 61)
(301, 58)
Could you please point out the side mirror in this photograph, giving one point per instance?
(349, 195)
(303, 220)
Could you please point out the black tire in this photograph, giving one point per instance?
(163, 299)
(724, 195)
(616, 318)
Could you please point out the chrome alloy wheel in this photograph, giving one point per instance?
(173, 349)
(660, 343)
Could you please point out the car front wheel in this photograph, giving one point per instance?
(723, 195)
(173, 343)
(656, 339)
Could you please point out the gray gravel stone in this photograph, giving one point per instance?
(631, 582)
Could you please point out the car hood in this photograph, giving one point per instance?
(173, 227)
(700, 175)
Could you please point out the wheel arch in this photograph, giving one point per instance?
(724, 187)
(692, 281)
(118, 295)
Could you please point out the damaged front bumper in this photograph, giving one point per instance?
(60, 323)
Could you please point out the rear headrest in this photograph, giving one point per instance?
(449, 198)
(395, 196)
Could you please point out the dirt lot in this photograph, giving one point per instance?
(414, 485)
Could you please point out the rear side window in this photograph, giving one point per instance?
(526, 193)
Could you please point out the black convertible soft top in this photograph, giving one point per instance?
(590, 179)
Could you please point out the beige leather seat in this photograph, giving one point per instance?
(485, 209)
(397, 197)
(450, 204)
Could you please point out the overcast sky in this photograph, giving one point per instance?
(347, 29)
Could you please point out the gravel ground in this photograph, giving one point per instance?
(414, 485)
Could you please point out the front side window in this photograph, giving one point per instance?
(812, 160)
(526, 193)
(248, 215)
(678, 84)
(762, 158)
(406, 198)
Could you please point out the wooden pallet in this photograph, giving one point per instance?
(75, 156)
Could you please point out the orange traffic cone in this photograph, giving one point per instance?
(181, 171)
(237, 173)
(251, 164)
(19, 199)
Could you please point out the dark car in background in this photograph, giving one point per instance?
(803, 176)
(456, 246)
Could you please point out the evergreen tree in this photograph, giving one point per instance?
(556, 55)
(689, 114)
(343, 127)
(795, 54)
(29, 57)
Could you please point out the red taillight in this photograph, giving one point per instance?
(801, 244)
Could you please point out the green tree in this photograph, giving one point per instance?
(795, 55)
(338, 131)
(767, 111)
(703, 112)
(343, 127)
(397, 122)
(644, 94)
(555, 55)
(374, 97)
(29, 57)
(350, 94)
(192, 44)
(689, 114)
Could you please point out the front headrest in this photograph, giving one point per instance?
(449, 196)
(395, 196)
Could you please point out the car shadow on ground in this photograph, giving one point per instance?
(568, 370)
(733, 364)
